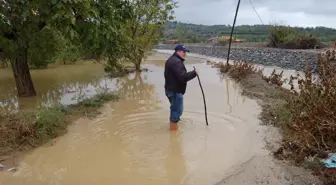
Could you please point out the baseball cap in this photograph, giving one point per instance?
(181, 47)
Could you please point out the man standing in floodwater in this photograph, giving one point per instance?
(176, 78)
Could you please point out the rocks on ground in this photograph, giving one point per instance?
(284, 58)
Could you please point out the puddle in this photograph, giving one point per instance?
(130, 143)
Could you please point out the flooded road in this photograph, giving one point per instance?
(266, 70)
(130, 143)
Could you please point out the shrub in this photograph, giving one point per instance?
(287, 38)
(274, 78)
(313, 124)
(49, 123)
(239, 69)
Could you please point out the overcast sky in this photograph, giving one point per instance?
(290, 12)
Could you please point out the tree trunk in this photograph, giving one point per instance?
(23, 80)
(138, 62)
(138, 66)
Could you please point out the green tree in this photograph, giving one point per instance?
(250, 33)
(33, 31)
(146, 28)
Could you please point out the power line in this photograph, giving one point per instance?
(262, 21)
(256, 11)
(244, 33)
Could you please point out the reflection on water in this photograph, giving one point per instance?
(59, 84)
(175, 164)
(228, 94)
(130, 142)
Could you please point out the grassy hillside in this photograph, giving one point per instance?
(250, 33)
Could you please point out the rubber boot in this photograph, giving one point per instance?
(173, 126)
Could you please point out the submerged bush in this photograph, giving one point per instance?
(24, 130)
(99, 99)
(49, 123)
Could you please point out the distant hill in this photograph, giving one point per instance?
(250, 33)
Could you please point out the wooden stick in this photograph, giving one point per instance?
(206, 114)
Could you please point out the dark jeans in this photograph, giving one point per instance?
(176, 105)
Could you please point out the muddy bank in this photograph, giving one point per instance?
(295, 115)
(266, 169)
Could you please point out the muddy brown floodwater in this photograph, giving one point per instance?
(130, 142)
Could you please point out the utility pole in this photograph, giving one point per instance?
(230, 41)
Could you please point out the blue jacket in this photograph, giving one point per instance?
(176, 75)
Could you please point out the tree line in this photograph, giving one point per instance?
(249, 33)
(35, 33)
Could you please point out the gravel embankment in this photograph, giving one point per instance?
(287, 59)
